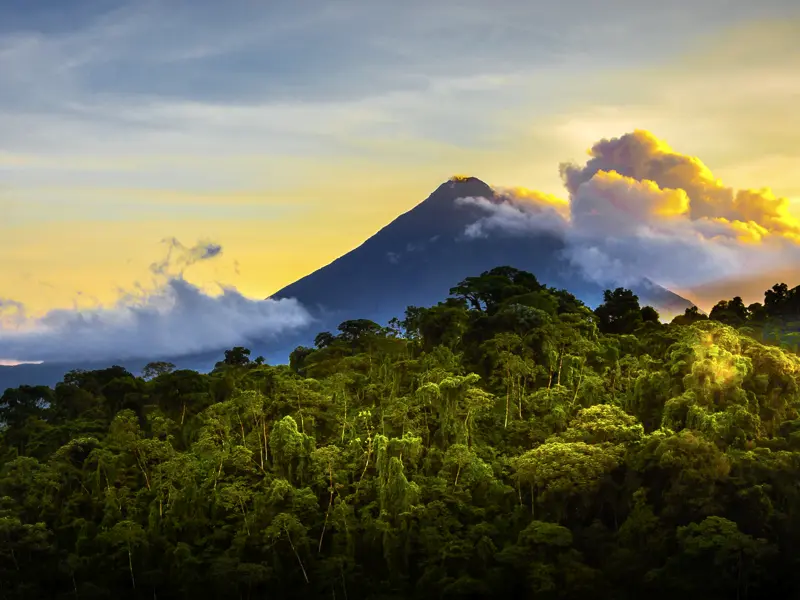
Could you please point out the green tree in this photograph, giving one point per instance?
(620, 312)
(154, 369)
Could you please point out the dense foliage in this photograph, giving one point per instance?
(506, 443)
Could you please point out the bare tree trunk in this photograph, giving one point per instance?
(344, 418)
(533, 498)
(508, 396)
(266, 444)
(130, 566)
(344, 583)
(219, 472)
(327, 512)
(143, 470)
(300, 562)
(244, 516)
(560, 364)
(369, 454)
(300, 410)
(241, 424)
(580, 380)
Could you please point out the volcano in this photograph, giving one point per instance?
(419, 256)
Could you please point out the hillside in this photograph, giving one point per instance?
(505, 443)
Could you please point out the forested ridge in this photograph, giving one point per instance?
(506, 443)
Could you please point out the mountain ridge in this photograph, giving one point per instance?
(437, 226)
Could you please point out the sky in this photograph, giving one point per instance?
(287, 133)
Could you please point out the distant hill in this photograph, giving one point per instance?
(51, 373)
(414, 260)
(419, 256)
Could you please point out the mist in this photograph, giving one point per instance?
(170, 318)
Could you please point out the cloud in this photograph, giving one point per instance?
(642, 157)
(517, 211)
(637, 208)
(346, 50)
(12, 313)
(16, 363)
(180, 256)
(136, 78)
(172, 318)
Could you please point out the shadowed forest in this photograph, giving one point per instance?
(506, 443)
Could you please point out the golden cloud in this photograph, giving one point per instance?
(638, 208)
(537, 198)
(642, 157)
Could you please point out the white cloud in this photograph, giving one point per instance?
(173, 318)
(515, 215)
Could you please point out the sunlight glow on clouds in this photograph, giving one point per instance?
(637, 208)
